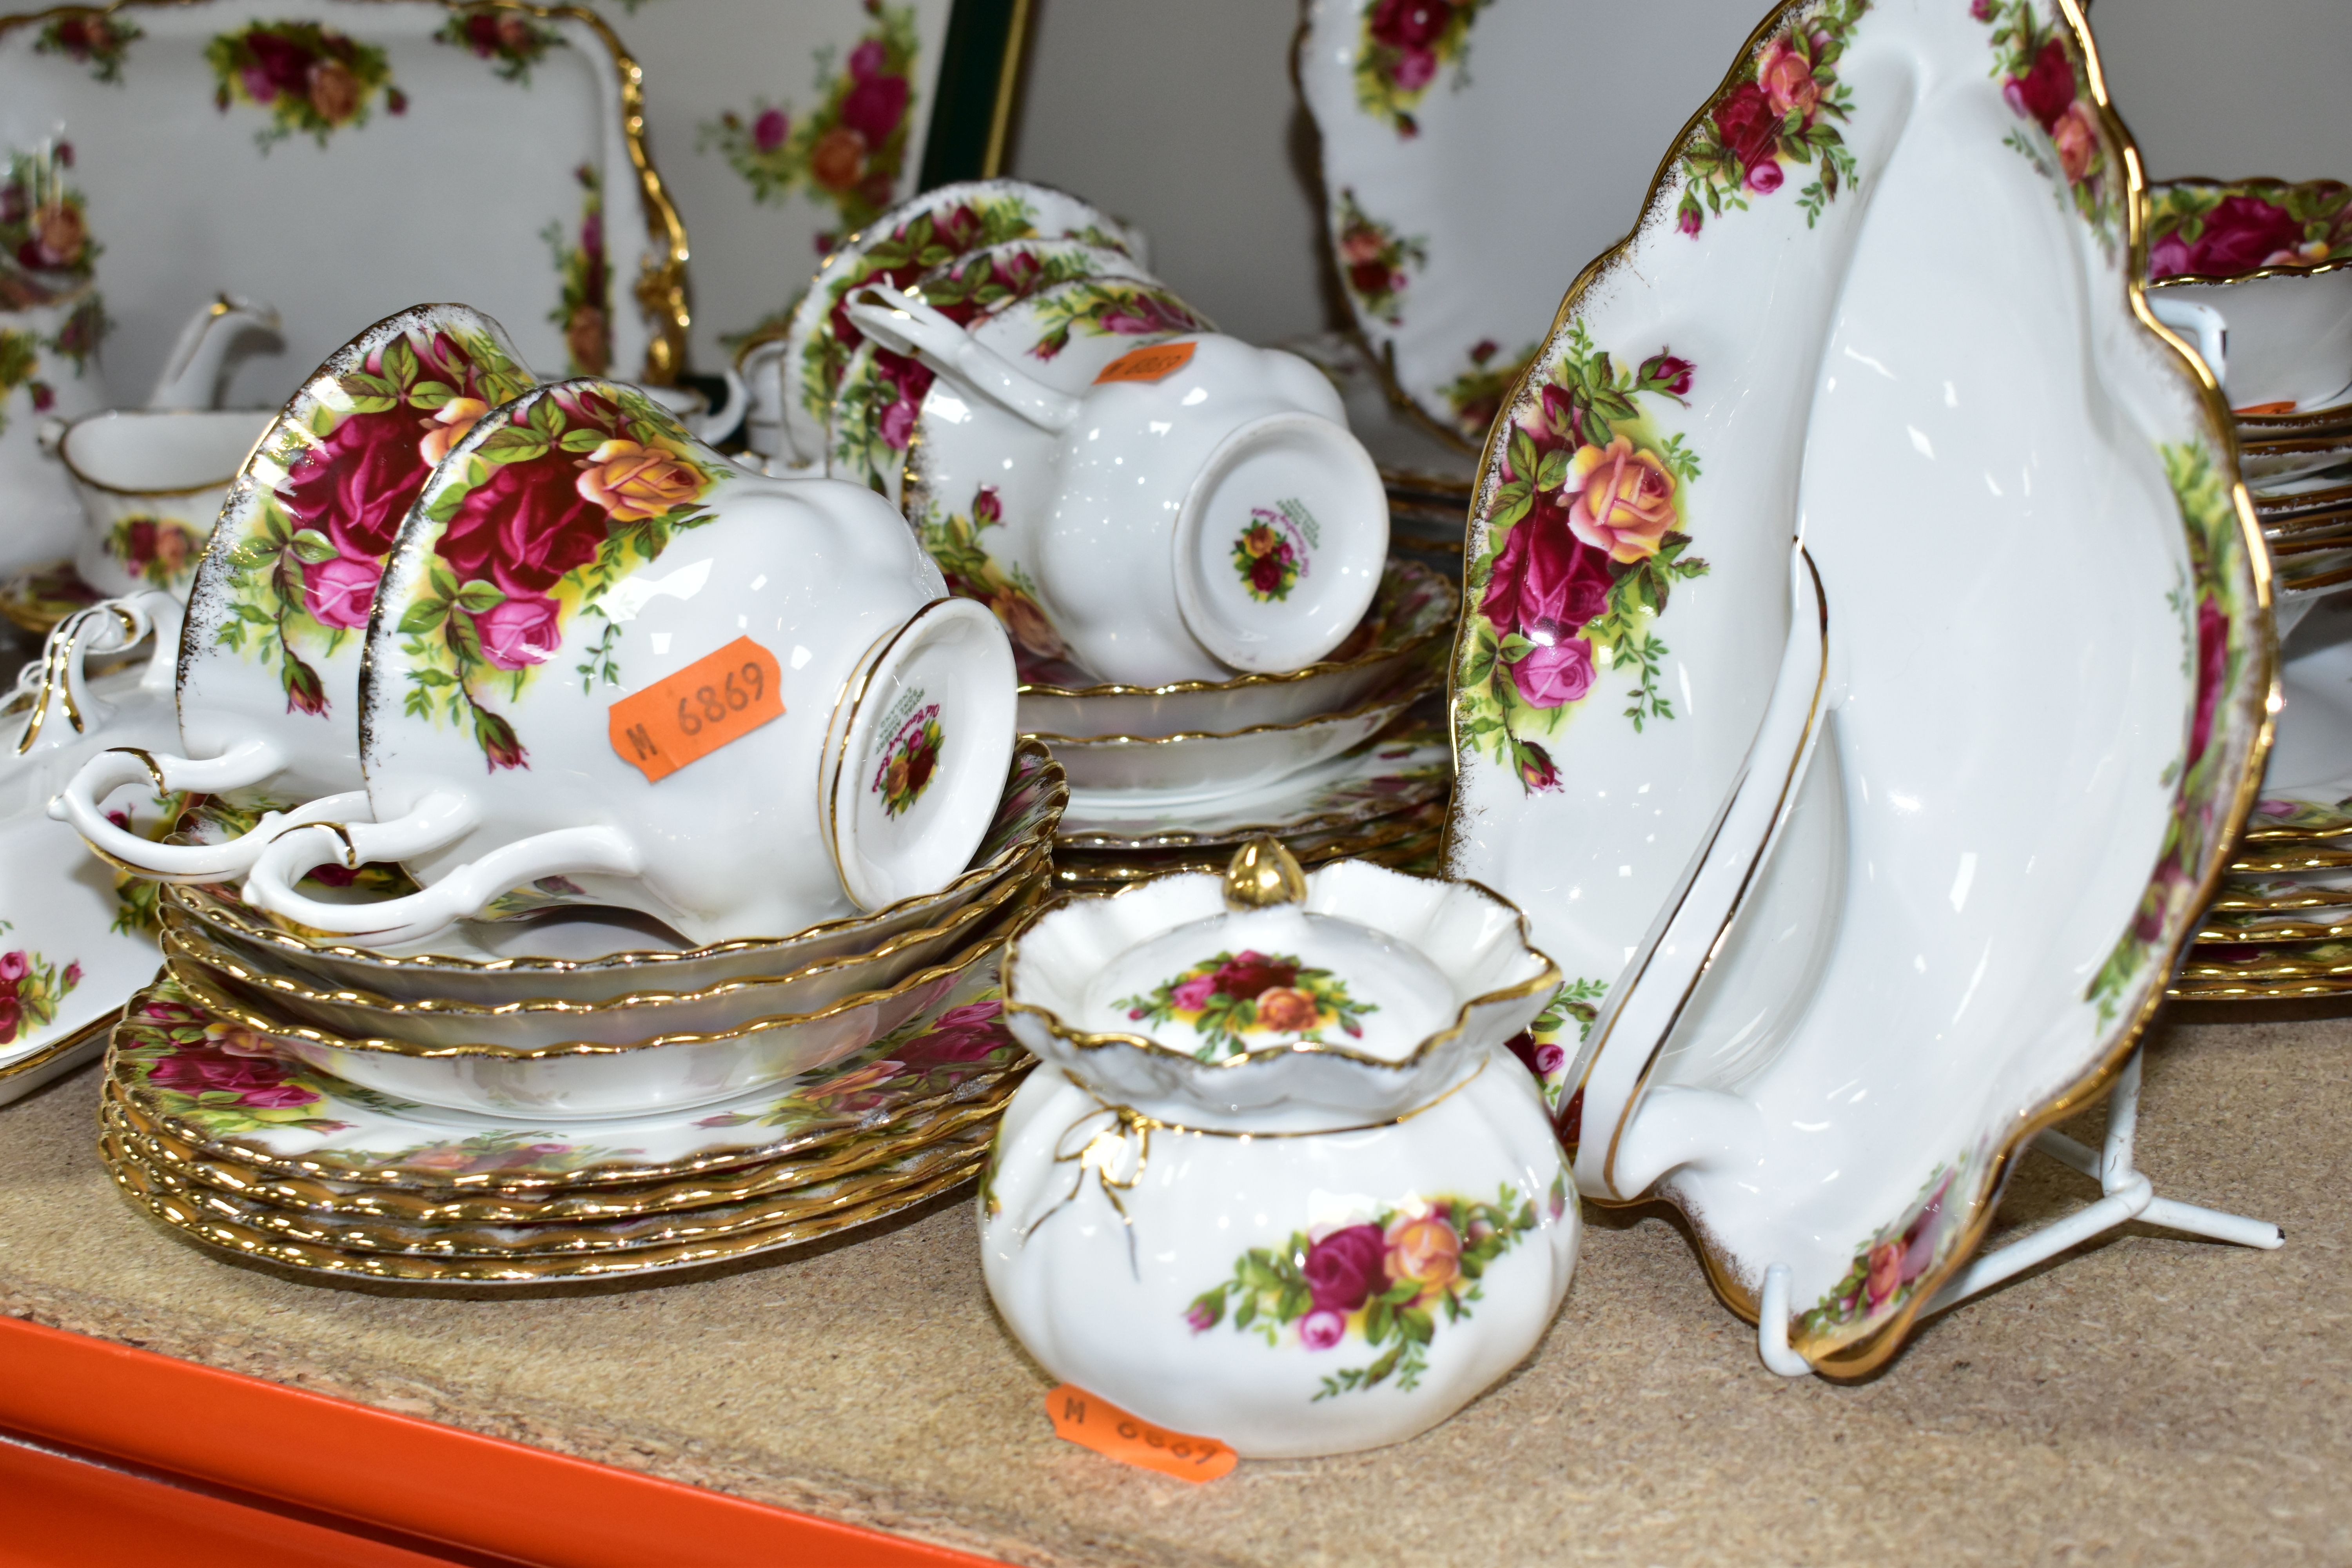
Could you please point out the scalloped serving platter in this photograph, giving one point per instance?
(199, 151)
(2003, 843)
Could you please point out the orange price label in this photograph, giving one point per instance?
(719, 697)
(1157, 363)
(1079, 1417)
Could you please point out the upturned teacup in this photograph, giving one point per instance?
(606, 666)
(1199, 509)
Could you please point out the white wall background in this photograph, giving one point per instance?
(1181, 116)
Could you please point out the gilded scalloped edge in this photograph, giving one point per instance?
(2258, 704)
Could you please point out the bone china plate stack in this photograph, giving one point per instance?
(568, 1094)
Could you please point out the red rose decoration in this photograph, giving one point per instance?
(1411, 24)
(875, 107)
(2242, 234)
(2047, 90)
(1346, 1267)
(1745, 123)
(1249, 973)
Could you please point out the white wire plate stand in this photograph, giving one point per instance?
(2129, 1196)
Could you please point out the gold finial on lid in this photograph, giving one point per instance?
(1263, 873)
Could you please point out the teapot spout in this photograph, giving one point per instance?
(211, 346)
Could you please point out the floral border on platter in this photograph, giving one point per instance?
(2227, 647)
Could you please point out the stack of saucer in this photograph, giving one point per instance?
(1347, 757)
(563, 1095)
(2272, 263)
(2279, 925)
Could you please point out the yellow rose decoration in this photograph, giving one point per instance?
(635, 482)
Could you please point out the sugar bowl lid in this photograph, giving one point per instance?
(1270, 999)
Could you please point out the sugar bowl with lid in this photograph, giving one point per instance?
(1279, 1180)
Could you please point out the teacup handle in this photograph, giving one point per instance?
(63, 706)
(2203, 325)
(465, 891)
(80, 806)
(907, 326)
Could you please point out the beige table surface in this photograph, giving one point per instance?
(2154, 1400)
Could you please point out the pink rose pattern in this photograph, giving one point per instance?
(1386, 1279)
(2197, 229)
(31, 987)
(1233, 995)
(304, 566)
(1782, 111)
(562, 494)
(850, 151)
(311, 78)
(1403, 44)
(1375, 264)
(2046, 85)
(1582, 548)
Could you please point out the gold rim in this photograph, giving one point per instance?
(845, 1156)
(495, 1185)
(1420, 821)
(171, 493)
(1287, 677)
(96, 1030)
(1046, 775)
(912, 1163)
(1400, 697)
(2139, 195)
(242, 1241)
(660, 287)
(2285, 990)
(1084, 1041)
(1414, 800)
(212, 999)
(1789, 780)
(2272, 933)
(1863, 1354)
(2281, 506)
(182, 935)
(2281, 967)
(36, 615)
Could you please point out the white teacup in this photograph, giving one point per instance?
(270, 659)
(1200, 510)
(152, 482)
(607, 666)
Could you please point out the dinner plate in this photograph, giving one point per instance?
(843, 1154)
(1965, 944)
(237, 1238)
(206, 135)
(1430, 116)
(224, 1088)
(925, 1153)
